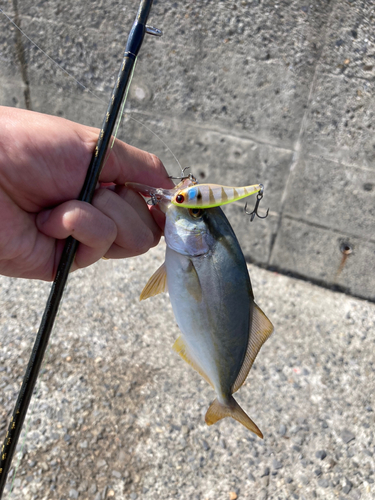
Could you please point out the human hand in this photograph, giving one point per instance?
(43, 164)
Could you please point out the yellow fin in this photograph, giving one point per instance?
(181, 349)
(217, 411)
(156, 284)
(261, 329)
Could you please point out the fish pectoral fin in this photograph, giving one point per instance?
(180, 347)
(261, 329)
(156, 284)
(217, 411)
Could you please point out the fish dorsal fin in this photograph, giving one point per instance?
(261, 329)
(156, 284)
(181, 349)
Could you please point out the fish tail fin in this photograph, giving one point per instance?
(217, 411)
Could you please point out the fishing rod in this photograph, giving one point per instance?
(116, 103)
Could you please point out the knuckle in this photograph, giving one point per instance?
(145, 241)
(102, 198)
(155, 239)
(158, 165)
(110, 231)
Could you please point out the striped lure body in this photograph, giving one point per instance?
(211, 195)
(190, 194)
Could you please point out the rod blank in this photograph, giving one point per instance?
(133, 46)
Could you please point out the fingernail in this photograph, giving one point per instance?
(44, 216)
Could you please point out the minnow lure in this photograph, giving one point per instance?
(189, 194)
(211, 195)
(222, 329)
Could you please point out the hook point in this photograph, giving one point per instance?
(255, 211)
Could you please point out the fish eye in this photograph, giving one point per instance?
(196, 212)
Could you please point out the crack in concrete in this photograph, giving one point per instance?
(370, 79)
(215, 130)
(298, 146)
(329, 229)
(339, 162)
(20, 50)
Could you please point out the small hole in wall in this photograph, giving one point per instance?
(346, 248)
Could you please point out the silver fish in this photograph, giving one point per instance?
(222, 329)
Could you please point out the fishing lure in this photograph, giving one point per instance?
(211, 195)
(189, 194)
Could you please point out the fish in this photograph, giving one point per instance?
(205, 273)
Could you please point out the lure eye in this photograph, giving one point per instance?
(180, 198)
(196, 212)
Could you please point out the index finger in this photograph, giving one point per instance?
(127, 163)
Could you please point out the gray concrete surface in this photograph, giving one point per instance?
(120, 415)
(242, 92)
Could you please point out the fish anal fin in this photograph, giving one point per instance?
(156, 284)
(217, 411)
(261, 330)
(181, 349)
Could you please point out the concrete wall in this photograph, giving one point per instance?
(242, 92)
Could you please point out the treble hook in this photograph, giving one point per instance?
(255, 211)
(183, 177)
(154, 200)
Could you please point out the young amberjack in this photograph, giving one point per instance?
(222, 329)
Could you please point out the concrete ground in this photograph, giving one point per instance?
(120, 415)
(243, 92)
